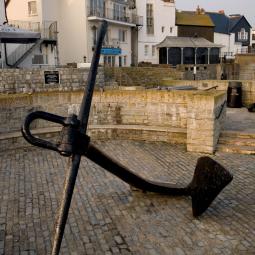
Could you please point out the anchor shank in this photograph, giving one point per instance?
(72, 172)
(126, 175)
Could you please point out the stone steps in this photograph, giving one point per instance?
(237, 142)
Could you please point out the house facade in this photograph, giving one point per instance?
(158, 23)
(195, 24)
(77, 27)
(234, 32)
(253, 38)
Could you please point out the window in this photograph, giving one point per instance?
(94, 35)
(146, 50)
(153, 50)
(109, 61)
(32, 8)
(120, 12)
(150, 20)
(97, 8)
(243, 35)
(162, 29)
(122, 35)
(171, 29)
(125, 60)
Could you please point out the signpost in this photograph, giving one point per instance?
(51, 77)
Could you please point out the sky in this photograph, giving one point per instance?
(244, 7)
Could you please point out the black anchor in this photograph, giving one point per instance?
(209, 177)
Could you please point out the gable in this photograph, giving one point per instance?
(237, 23)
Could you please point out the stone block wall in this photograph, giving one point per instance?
(248, 87)
(141, 76)
(32, 80)
(206, 115)
(129, 114)
(204, 72)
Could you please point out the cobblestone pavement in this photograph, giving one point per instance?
(106, 217)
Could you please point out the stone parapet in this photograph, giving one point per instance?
(248, 87)
(129, 114)
(32, 80)
(206, 115)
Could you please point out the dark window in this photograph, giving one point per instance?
(174, 56)
(189, 56)
(162, 56)
(214, 56)
(202, 56)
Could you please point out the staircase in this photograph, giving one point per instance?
(18, 55)
(237, 142)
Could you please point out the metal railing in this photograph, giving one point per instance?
(48, 29)
(108, 13)
(18, 53)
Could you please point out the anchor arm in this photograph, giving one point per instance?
(130, 177)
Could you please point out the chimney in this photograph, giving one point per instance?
(198, 10)
(221, 12)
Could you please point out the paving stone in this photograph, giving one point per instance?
(108, 217)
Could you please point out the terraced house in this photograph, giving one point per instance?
(32, 35)
(77, 25)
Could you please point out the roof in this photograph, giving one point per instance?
(233, 21)
(221, 22)
(193, 42)
(193, 19)
(9, 34)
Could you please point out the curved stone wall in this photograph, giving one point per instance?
(121, 114)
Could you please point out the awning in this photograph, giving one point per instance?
(9, 34)
(184, 42)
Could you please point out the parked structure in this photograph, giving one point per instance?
(159, 22)
(195, 24)
(188, 50)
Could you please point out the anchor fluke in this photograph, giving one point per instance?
(208, 181)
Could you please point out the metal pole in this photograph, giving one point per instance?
(73, 170)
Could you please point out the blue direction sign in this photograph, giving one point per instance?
(110, 51)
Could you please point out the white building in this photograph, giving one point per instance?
(78, 22)
(31, 16)
(158, 23)
(253, 38)
(233, 31)
(2, 12)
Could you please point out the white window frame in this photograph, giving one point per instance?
(146, 50)
(32, 10)
(153, 50)
(243, 35)
(122, 35)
